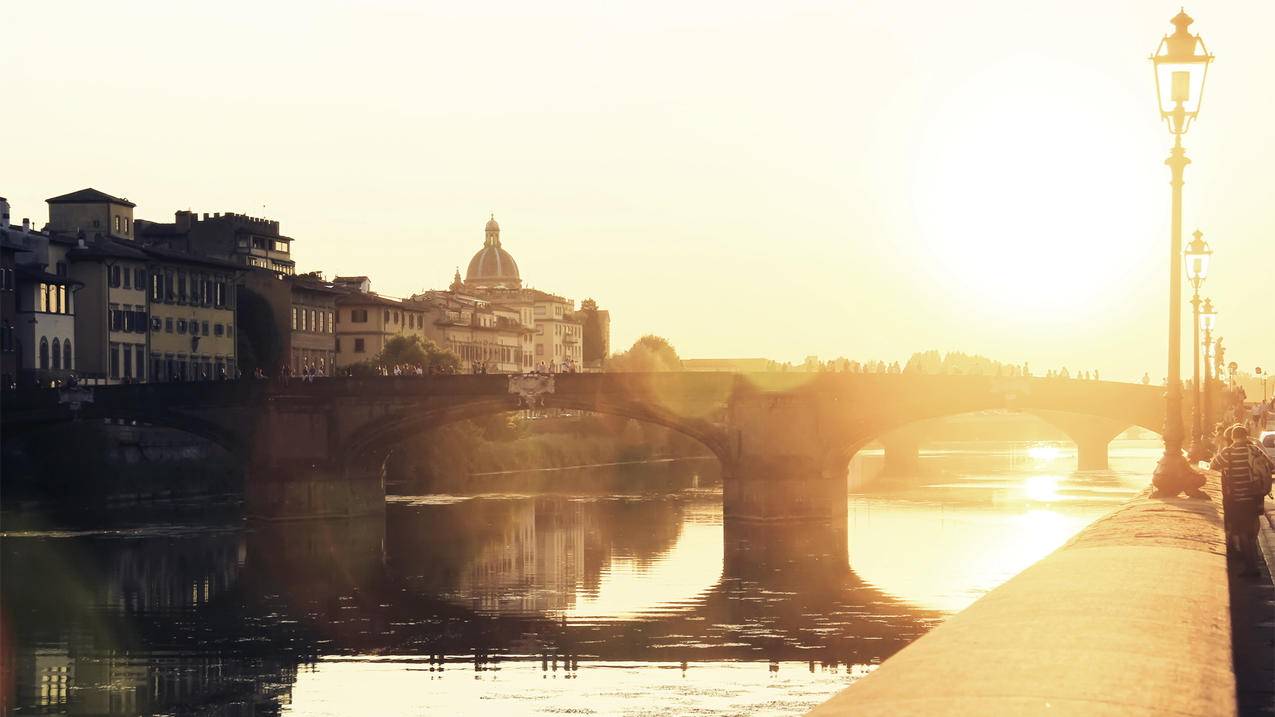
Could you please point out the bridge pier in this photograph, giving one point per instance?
(298, 469)
(902, 453)
(1092, 436)
(785, 462)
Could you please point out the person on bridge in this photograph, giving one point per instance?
(1246, 479)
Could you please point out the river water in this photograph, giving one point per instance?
(616, 593)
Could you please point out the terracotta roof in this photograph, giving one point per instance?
(356, 298)
(89, 196)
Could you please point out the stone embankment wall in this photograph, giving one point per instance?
(93, 464)
(1132, 617)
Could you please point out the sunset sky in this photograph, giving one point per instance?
(865, 179)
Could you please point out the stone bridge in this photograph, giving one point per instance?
(784, 439)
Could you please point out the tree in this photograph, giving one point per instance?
(649, 353)
(592, 347)
(415, 351)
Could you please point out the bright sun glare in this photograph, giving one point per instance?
(1000, 219)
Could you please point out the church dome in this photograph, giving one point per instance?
(493, 267)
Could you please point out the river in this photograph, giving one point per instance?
(619, 592)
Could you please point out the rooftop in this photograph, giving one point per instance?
(89, 196)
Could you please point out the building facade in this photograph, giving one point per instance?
(238, 238)
(192, 318)
(365, 321)
(488, 338)
(40, 328)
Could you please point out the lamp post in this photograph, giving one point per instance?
(1197, 257)
(1208, 318)
(1181, 63)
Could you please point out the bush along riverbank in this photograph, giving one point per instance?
(471, 455)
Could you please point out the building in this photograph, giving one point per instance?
(39, 329)
(312, 328)
(8, 293)
(554, 341)
(192, 318)
(238, 238)
(488, 338)
(104, 258)
(148, 312)
(296, 326)
(492, 267)
(365, 320)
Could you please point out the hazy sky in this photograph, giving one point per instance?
(864, 179)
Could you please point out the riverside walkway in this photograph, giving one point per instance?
(1132, 617)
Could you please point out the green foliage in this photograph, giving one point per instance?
(592, 347)
(649, 353)
(415, 351)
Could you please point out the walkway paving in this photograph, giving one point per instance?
(1132, 617)
(1253, 629)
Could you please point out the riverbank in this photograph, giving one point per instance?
(1132, 616)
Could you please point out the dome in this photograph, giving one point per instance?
(492, 267)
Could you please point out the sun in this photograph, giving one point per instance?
(1028, 195)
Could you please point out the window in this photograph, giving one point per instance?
(118, 225)
(57, 355)
(358, 316)
(386, 317)
(128, 278)
(219, 330)
(115, 360)
(230, 330)
(170, 288)
(140, 351)
(128, 360)
(44, 352)
(168, 325)
(156, 324)
(64, 300)
(313, 323)
(331, 318)
(181, 326)
(127, 224)
(66, 355)
(115, 276)
(358, 346)
(294, 318)
(139, 278)
(181, 286)
(203, 329)
(221, 297)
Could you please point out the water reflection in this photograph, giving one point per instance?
(978, 515)
(514, 602)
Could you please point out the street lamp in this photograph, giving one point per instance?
(1197, 257)
(1208, 319)
(1181, 63)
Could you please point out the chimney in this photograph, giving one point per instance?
(26, 225)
